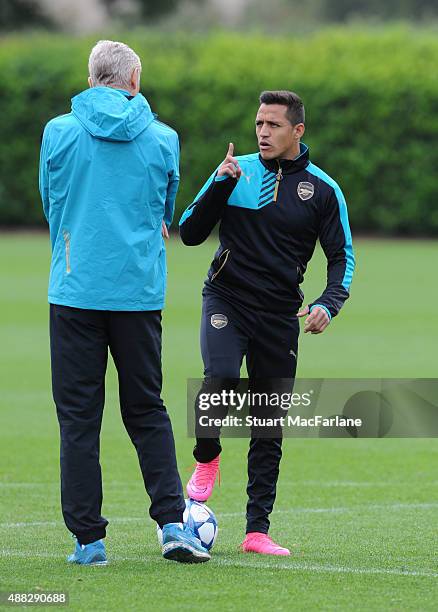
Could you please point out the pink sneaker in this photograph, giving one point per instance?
(200, 485)
(261, 543)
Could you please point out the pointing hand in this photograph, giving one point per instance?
(230, 165)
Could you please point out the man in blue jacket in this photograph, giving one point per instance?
(108, 181)
(272, 207)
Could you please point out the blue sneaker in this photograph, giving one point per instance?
(89, 554)
(182, 545)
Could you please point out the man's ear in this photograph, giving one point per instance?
(135, 79)
(90, 82)
(299, 129)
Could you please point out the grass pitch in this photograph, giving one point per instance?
(360, 516)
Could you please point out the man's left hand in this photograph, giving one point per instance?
(164, 230)
(317, 320)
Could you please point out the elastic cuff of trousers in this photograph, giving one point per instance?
(203, 457)
(169, 517)
(90, 536)
(259, 527)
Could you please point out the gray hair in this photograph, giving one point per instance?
(112, 63)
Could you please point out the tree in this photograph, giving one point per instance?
(16, 14)
(147, 8)
(343, 10)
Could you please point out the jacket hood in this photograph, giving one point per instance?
(107, 113)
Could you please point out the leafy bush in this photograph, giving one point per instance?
(371, 99)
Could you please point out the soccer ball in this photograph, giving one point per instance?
(201, 520)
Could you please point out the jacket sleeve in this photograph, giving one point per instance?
(172, 187)
(44, 173)
(199, 219)
(336, 242)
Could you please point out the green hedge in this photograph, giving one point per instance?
(371, 99)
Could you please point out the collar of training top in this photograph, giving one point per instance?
(125, 92)
(288, 166)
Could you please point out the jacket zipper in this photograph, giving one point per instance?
(66, 236)
(226, 253)
(278, 177)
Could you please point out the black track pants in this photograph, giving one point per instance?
(270, 343)
(79, 351)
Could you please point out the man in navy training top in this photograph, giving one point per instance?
(272, 207)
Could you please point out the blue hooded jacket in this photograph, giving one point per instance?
(108, 178)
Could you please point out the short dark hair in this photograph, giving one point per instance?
(295, 107)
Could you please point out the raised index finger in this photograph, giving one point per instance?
(230, 151)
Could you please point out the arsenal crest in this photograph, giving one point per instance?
(305, 190)
(219, 321)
